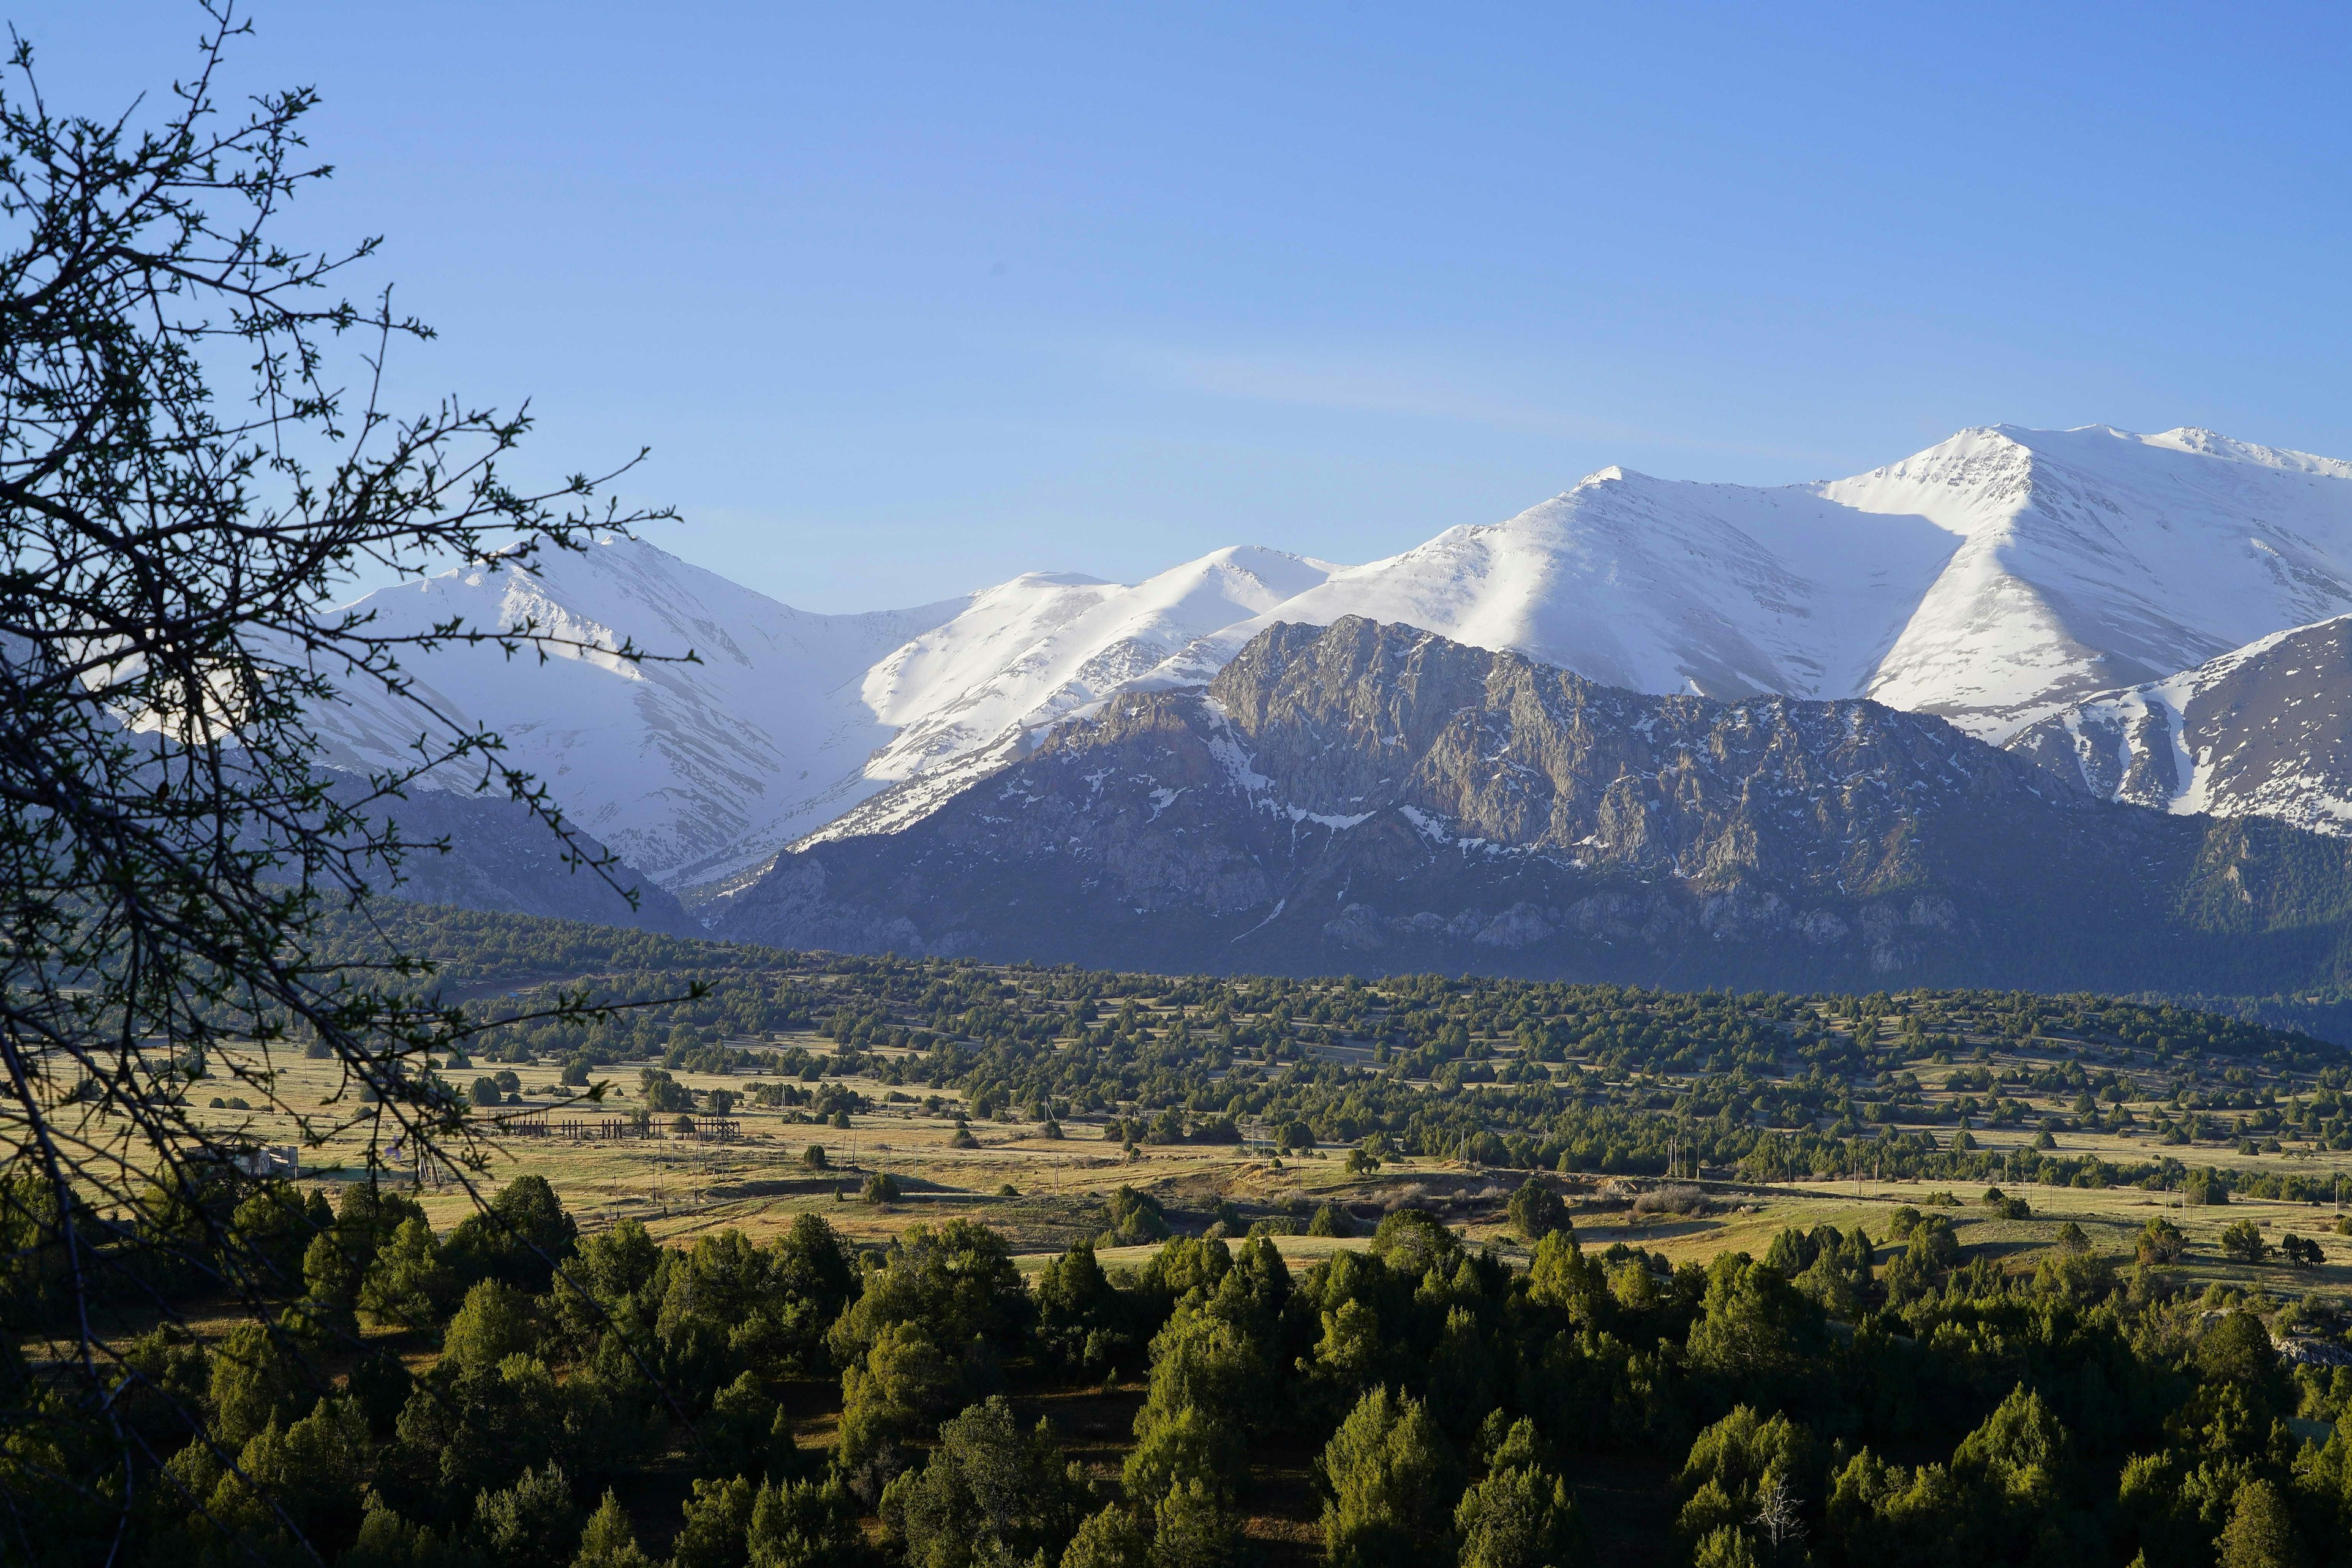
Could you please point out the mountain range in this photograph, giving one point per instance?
(1379, 799)
(2145, 621)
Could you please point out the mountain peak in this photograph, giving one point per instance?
(2213, 444)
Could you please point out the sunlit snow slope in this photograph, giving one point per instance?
(1649, 584)
(688, 770)
(979, 690)
(700, 772)
(1991, 578)
(2091, 559)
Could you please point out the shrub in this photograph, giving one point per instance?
(2202, 1188)
(1536, 1211)
(2244, 1243)
(610, 1540)
(2160, 1241)
(408, 1285)
(662, 1092)
(532, 1523)
(1135, 1219)
(2261, 1530)
(1672, 1197)
(1110, 1538)
(493, 1323)
(1387, 1471)
(254, 1383)
(1484, 1149)
(1192, 1529)
(718, 1517)
(1412, 1241)
(803, 1522)
(990, 1493)
(1520, 1518)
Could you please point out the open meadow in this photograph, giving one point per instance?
(1044, 1187)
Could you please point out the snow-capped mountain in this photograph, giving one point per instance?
(2264, 730)
(1378, 799)
(687, 771)
(1995, 578)
(1648, 585)
(1990, 579)
(985, 687)
(700, 772)
(2091, 559)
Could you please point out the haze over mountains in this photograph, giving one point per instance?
(2041, 589)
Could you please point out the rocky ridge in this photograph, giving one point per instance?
(1376, 798)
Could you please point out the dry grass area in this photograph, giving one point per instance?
(760, 1180)
(1045, 1194)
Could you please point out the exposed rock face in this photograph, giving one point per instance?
(1370, 798)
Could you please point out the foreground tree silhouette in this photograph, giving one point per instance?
(171, 546)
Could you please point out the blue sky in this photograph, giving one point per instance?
(908, 299)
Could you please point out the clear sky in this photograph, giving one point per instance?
(908, 299)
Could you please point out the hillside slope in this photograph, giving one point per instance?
(1377, 798)
(2263, 731)
(502, 859)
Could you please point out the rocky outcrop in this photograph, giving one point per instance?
(1373, 797)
